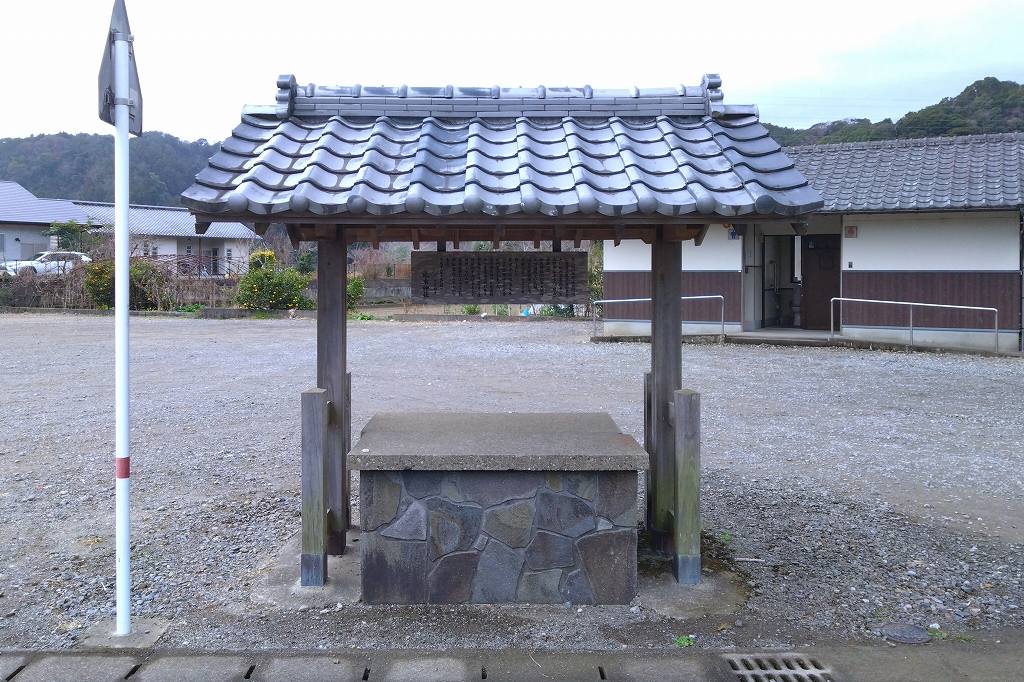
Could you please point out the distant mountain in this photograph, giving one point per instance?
(81, 166)
(985, 106)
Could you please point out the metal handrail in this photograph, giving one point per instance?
(911, 304)
(721, 299)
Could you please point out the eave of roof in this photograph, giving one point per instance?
(161, 221)
(546, 152)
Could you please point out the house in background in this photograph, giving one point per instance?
(167, 234)
(936, 220)
(24, 219)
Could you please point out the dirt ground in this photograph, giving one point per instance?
(866, 486)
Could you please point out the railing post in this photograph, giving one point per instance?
(686, 560)
(997, 329)
(721, 300)
(315, 414)
(911, 325)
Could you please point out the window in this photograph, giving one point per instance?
(145, 248)
(153, 251)
(228, 255)
(188, 249)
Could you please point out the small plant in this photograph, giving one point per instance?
(471, 309)
(306, 261)
(684, 641)
(189, 308)
(937, 633)
(501, 310)
(557, 310)
(354, 291)
(725, 536)
(268, 289)
(362, 316)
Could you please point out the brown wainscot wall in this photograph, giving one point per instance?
(990, 289)
(637, 284)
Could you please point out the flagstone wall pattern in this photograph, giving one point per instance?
(498, 536)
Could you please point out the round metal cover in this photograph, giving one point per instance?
(904, 633)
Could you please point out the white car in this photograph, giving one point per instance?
(46, 263)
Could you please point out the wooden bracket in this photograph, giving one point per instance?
(499, 234)
(556, 240)
(620, 230)
(378, 234)
(455, 239)
(799, 228)
(699, 239)
(536, 239)
(415, 239)
(293, 236)
(261, 229)
(202, 227)
(576, 239)
(325, 231)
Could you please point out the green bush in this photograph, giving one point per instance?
(354, 291)
(501, 310)
(557, 310)
(471, 309)
(264, 288)
(146, 282)
(262, 260)
(306, 261)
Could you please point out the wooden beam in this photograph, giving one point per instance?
(315, 415)
(666, 376)
(331, 375)
(686, 510)
(325, 231)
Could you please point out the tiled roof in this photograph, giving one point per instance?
(161, 221)
(326, 151)
(968, 172)
(18, 205)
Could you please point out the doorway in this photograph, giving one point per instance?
(820, 273)
(778, 286)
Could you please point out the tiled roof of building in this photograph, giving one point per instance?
(18, 205)
(381, 151)
(936, 173)
(161, 221)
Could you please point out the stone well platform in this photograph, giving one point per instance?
(496, 508)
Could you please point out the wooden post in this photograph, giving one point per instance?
(648, 427)
(348, 445)
(666, 379)
(330, 375)
(686, 559)
(315, 415)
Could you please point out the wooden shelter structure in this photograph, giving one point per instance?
(450, 165)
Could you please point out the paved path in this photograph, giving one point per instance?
(990, 660)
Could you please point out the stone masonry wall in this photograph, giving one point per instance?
(498, 536)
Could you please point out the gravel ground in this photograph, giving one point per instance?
(874, 486)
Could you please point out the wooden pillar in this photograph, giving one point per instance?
(666, 379)
(348, 446)
(686, 559)
(442, 246)
(315, 415)
(330, 375)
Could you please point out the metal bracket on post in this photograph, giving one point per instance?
(686, 510)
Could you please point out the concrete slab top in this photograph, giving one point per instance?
(484, 441)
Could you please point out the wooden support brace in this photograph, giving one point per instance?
(202, 227)
(699, 239)
(799, 228)
(556, 240)
(315, 415)
(442, 246)
(620, 230)
(261, 229)
(455, 239)
(686, 560)
(293, 236)
(347, 432)
(577, 239)
(499, 233)
(536, 239)
(378, 235)
(415, 239)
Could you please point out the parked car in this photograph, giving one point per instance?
(47, 263)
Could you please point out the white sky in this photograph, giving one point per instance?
(801, 62)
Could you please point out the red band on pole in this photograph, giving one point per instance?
(123, 467)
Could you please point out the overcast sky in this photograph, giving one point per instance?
(801, 62)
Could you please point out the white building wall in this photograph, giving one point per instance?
(22, 241)
(165, 246)
(932, 241)
(718, 253)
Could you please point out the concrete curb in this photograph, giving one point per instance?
(90, 311)
(812, 343)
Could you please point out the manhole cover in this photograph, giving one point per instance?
(904, 633)
(778, 668)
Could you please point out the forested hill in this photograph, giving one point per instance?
(985, 106)
(81, 166)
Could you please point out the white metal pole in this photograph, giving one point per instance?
(122, 449)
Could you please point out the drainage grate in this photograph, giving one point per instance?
(778, 668)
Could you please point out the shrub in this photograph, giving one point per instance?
(557, 310)
(471, 309)
(501, 310)
(306, 261)
(262, 260)
(146, 284)
(354, 290)
(264, 288)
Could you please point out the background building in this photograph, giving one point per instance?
(935, 220)
(24, 218)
